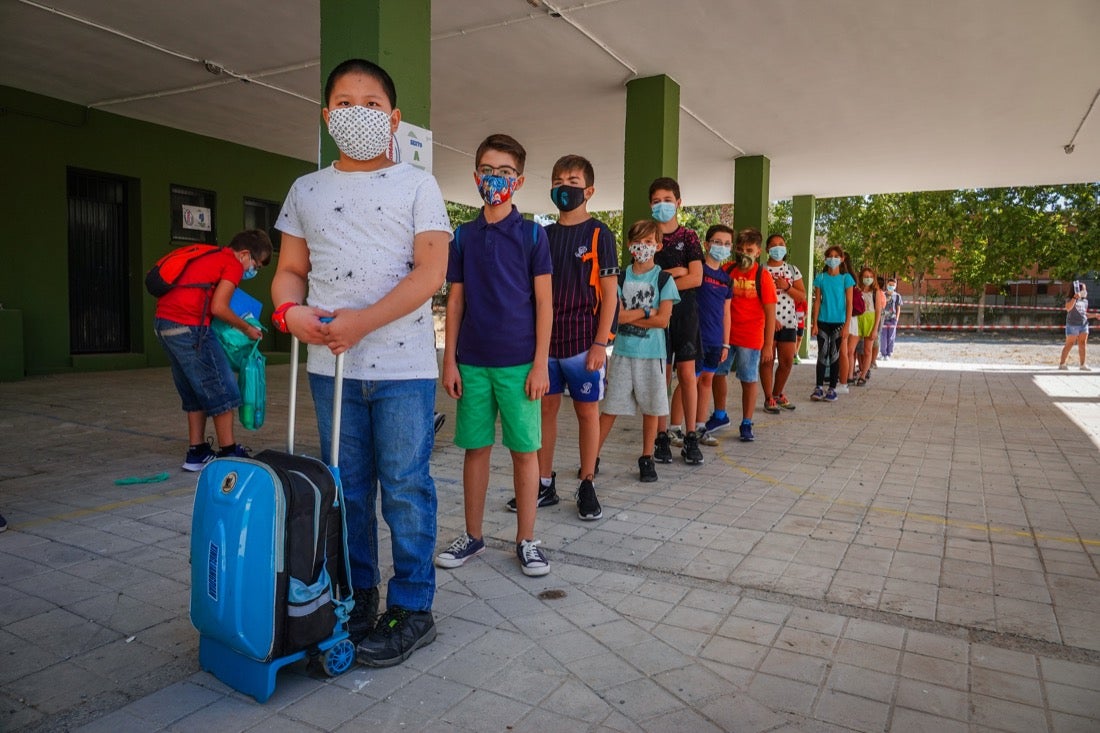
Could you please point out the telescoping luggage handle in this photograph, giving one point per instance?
(337, 403)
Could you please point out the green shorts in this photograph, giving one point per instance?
(487, 391)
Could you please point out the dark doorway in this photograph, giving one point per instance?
(99, 264)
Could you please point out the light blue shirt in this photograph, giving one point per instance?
(640, 291)
(833, 308)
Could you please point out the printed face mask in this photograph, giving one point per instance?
(567, 198)
(745, 260)
(778, 252)
(643, 251)
(496, 190)
(868, 280)
(832, 262)
(361, 133)
(720, 252)
(663, 211)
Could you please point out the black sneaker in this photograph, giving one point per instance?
(437, 421)
(363, 614)
(588, 506)
(198, 457)
(548, 495)
(691, 453)
(398, 633)
(647, 473)
(662, 448)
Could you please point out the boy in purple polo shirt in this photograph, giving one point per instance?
(585, 286)
(498, 344)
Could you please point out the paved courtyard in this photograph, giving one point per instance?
(919, 556)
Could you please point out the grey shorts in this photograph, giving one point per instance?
(635, 384)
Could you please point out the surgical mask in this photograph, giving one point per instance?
(720, 252)
(643, 251)
(496, 190)
(832, 262)
(868, 280)
(361, 133)
(663, 211)
(777, 253)
(745, 260)
(249, 273)
(890, 288)
(567, 198)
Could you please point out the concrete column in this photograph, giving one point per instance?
(396, 36)
(800, 253)
(652, 142)
(751, 174)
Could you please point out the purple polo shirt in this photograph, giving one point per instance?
(497, 264)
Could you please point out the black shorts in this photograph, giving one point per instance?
(786, 335)
(682, 340)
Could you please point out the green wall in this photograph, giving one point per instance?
(43, 138)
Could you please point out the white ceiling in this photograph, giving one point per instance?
(844, 97)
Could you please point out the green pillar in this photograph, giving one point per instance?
(751, 174)
(800, 253)
(394, 35)
(652, 142)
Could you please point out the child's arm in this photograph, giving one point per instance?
(538, 379)
(817, 308)
(350, 325)
(659, 319)
(727, 324)
(219, 308)
(797, 290)
(609, 289)
(289, 286)
(693, 278)
(456, 307)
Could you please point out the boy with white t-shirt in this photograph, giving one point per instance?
(367, 239)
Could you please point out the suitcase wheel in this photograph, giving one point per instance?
(339, 658)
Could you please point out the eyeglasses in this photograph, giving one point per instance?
(719, 243)
(505, 171)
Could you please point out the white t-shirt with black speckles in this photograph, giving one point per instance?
(360, 228)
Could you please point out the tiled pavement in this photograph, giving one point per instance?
(921, 555)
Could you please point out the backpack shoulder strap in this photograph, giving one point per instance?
(759, 280)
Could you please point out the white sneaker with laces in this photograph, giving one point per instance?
(531, 559)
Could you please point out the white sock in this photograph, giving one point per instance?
(546, 481)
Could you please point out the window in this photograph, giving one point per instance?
(193, 211)
(259, 214)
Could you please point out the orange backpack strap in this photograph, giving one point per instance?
(593, 256)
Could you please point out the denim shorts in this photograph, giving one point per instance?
(489, 391)
(200, 369)
(584, 386)
(724, 368)
(746, 363)
(1077, 330)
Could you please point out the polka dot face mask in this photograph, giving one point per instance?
(361, 133)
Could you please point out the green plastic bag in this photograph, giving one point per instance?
(252, 381)
(236, 344)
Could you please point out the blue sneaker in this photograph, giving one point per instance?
(746, 431)
(818, 394)
(459, 552)
(714, 424)
(237, 451)
(830, 396)
(198, 456)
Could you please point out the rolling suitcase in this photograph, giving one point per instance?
(270, 582)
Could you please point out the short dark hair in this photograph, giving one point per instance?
(569, 163)
(719, 229)
(642, 228)
(776, 236)
(362, 66)
(750, 236)
(505, 144)
(255, 242)
(664, 183)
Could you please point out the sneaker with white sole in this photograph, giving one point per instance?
(705, 438)
(588, 506)
(461, 550)
(548, 495)
(1086, 368)
(532, 561)
(715, 423)
(818, 394)
(198, 456)
(676, 437)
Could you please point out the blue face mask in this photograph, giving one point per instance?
(720, 252)
(832, 262)
(663, 211)
(249, 273)
(777, 252)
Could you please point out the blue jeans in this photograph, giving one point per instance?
(386, 439)
(200, 368)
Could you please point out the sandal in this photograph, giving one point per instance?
(861, 381)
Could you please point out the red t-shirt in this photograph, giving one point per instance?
(746, 310)
(190, 306)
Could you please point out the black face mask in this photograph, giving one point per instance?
(567, 198)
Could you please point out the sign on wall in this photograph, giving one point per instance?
(196, 217)
(414, 146)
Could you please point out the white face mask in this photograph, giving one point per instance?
(361, 133)
(643, 251)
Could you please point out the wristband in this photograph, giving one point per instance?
(278, 318)
(645, 311)
(599, 343)
(725, 346)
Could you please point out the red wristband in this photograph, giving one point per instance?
(278, 318)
